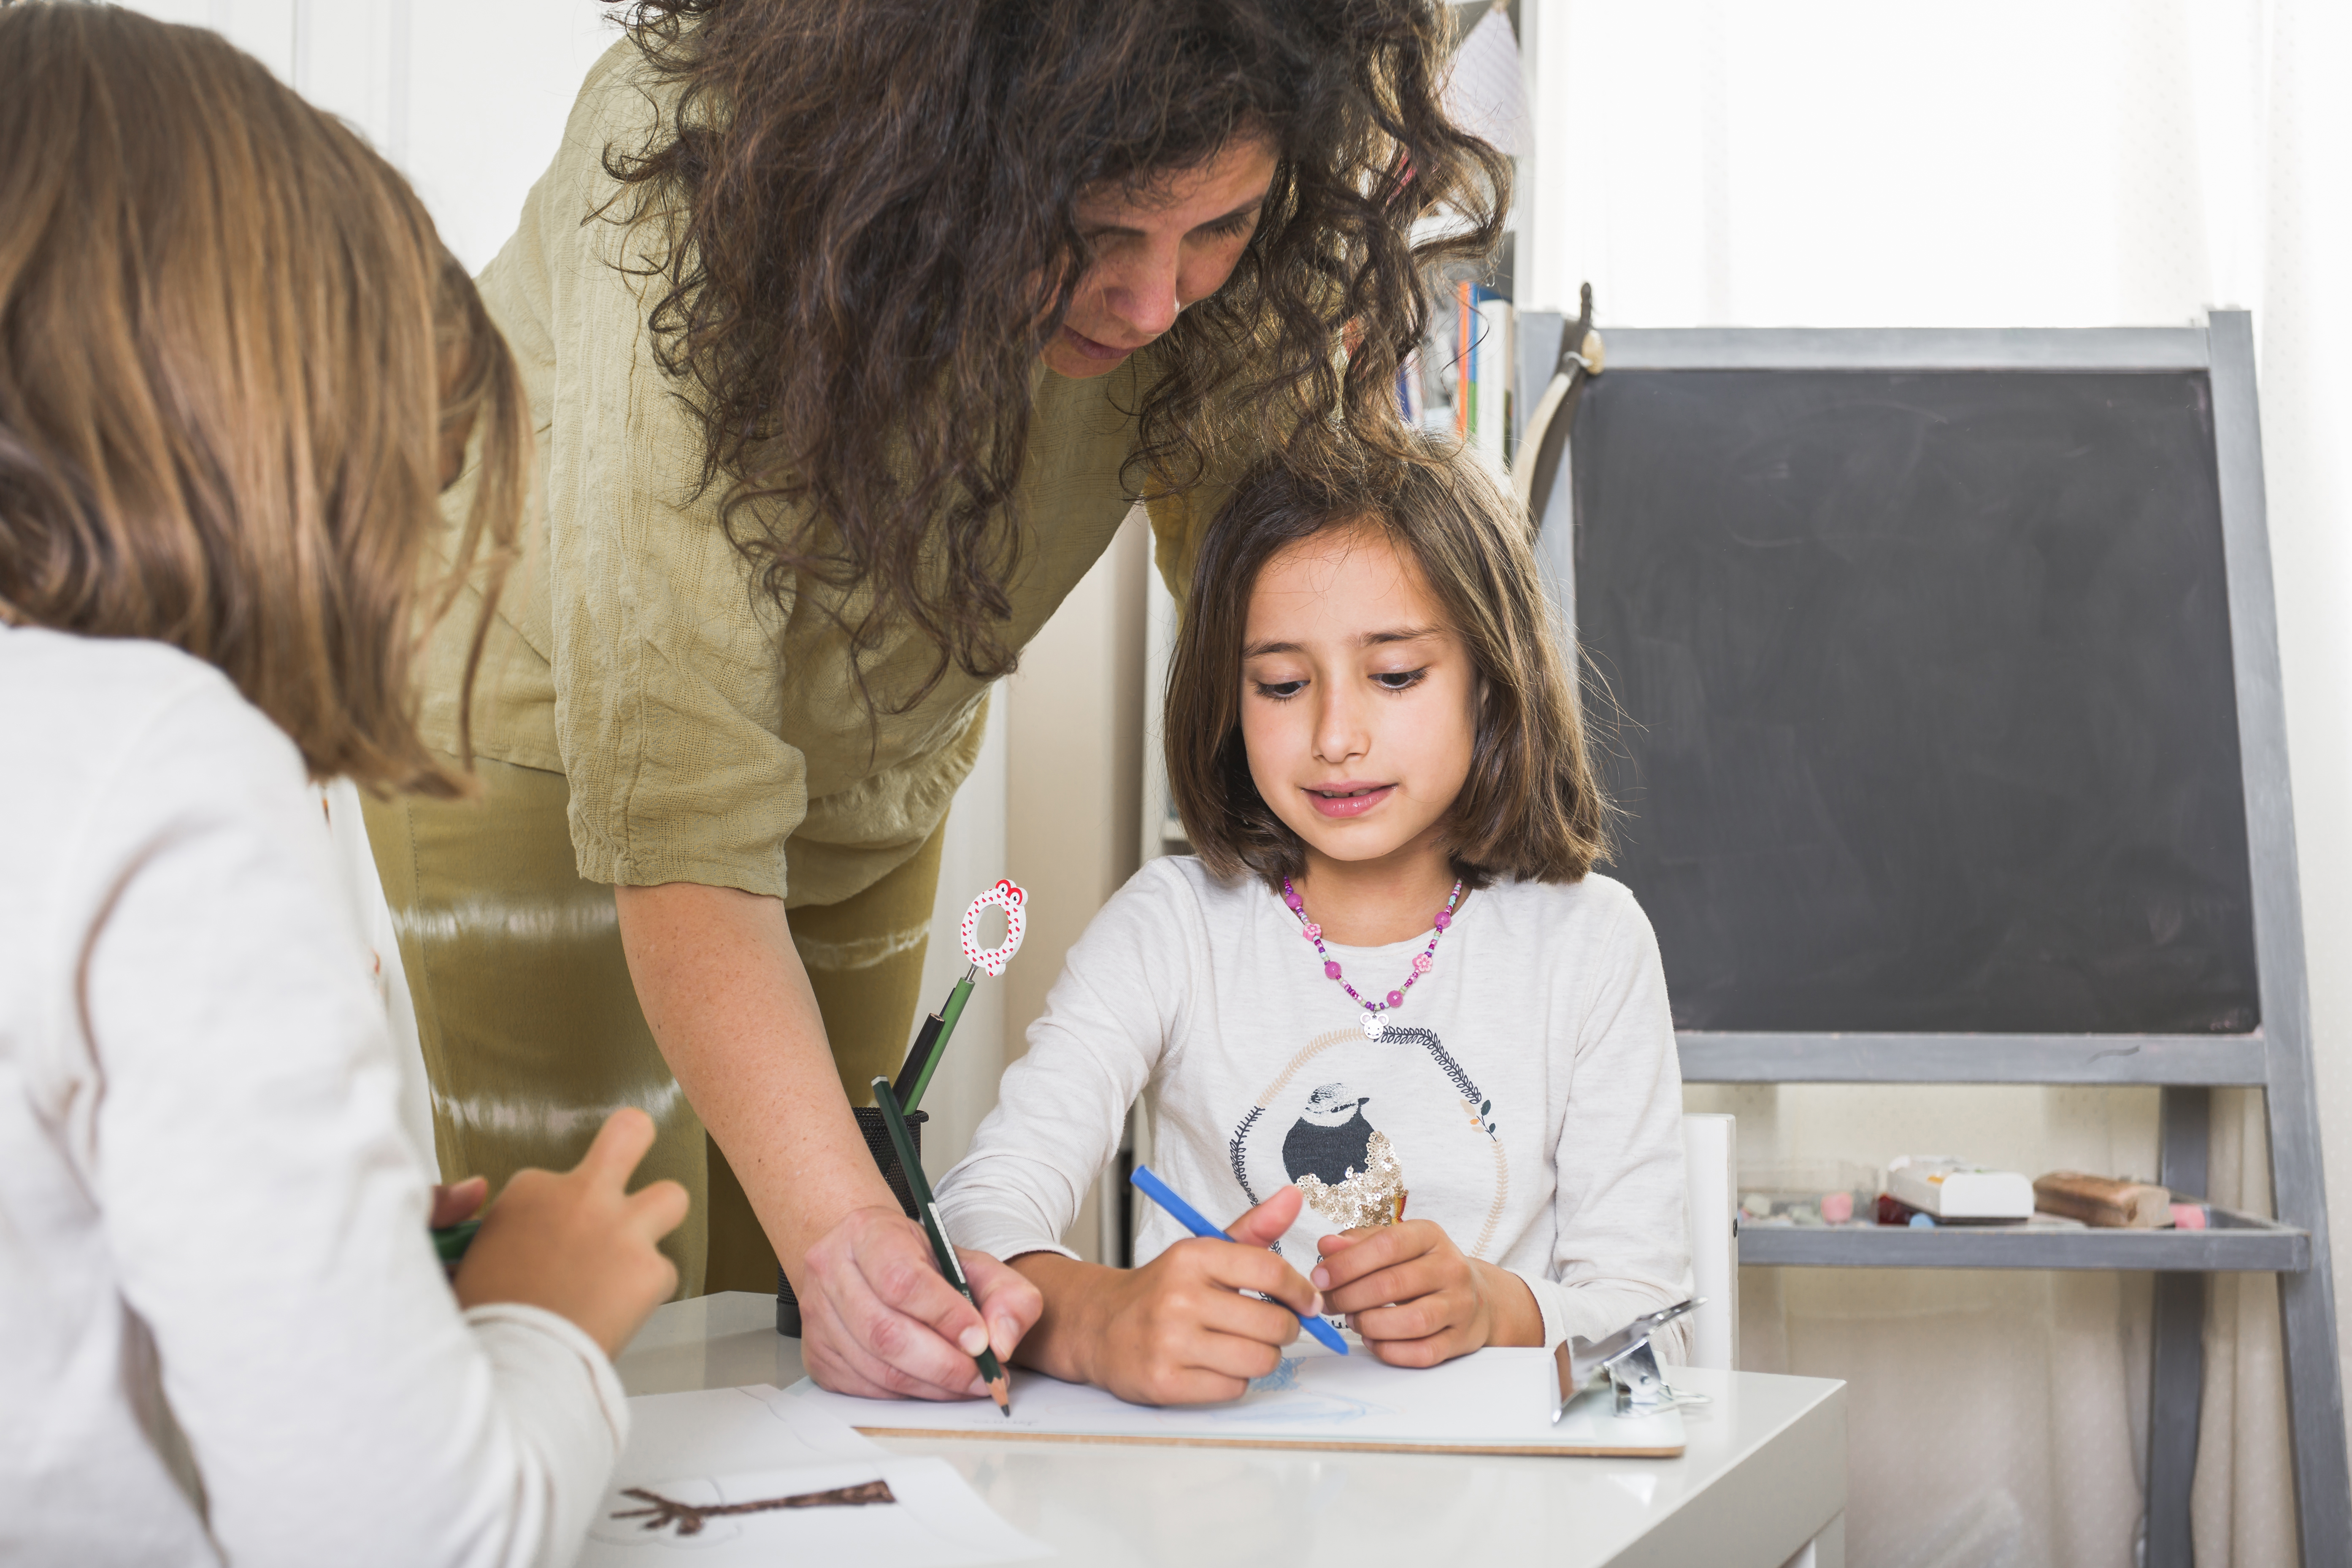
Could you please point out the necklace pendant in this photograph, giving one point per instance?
(1375, 1023)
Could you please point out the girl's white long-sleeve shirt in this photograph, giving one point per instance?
(1526, 1096)
(223, 1333)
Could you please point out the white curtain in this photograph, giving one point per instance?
(2007, 163)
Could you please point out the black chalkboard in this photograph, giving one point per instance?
(1928, 721)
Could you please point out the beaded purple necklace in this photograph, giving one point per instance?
(1423, 962)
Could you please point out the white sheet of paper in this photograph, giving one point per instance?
(1496, 1397)
(739, 1445)
(725, 1431)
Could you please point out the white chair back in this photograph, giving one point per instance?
(1710, 1157)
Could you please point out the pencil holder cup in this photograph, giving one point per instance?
(876, 1134)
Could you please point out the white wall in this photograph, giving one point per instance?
(1075, 794)
(964, 1088)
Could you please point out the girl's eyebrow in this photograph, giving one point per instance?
(1369, 639)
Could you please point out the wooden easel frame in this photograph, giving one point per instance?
(2276, 1057)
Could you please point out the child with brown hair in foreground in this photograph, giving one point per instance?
(236, 369)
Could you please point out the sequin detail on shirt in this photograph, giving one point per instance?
(1367, 1198)
(1351, 1169)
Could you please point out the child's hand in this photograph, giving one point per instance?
(455, 1204)
(581, 1244)
(1178, 1332)
(1416, 1300)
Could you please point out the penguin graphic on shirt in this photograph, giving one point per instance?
(1341, 1162)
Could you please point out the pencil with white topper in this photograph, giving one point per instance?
(931, 1039)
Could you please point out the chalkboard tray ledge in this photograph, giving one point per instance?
(1909, 349)
(2215, 1061)
(2236, 1243)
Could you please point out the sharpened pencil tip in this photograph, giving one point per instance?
(1001, 1392)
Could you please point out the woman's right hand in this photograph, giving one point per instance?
(878, 1320)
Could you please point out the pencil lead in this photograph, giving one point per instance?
(1001, 1390)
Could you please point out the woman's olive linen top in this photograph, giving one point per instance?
(707, 734)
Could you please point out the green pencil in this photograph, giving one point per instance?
(948, 1016)
(451, 1240)
(931, 1044)
(999, 1387)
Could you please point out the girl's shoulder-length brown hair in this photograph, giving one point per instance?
(236, 367)
(1531, 809)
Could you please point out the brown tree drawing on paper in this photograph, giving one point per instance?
(689, 1517)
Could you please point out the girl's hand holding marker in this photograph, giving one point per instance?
(1179, 1329)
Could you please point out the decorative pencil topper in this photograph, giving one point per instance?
(931, 1039)
(1006, 896)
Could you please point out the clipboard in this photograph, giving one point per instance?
(1498, 1401)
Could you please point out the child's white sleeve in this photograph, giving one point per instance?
(1061, 1107)
(268, 1216)
(1621, 1244)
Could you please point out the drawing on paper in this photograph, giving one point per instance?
(689, 1518)
(1284, 1377)
(1278, 1396)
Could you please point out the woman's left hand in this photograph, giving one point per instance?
(1416, 1300)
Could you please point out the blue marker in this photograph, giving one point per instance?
(1186, 1214)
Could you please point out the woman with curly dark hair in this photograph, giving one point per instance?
(853, 328)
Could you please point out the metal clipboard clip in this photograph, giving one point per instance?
(1625, 1360)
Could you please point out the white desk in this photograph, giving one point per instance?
(1763, 1476)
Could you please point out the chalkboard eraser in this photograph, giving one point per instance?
(1954, 1189)
(2103, 1201)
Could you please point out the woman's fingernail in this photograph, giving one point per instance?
(974, 1339)
(1322, 1280)
(1318, 1307)
(977, 1387)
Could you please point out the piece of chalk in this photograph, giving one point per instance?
(1837, 1207)
(2188, 1217)
(1922, 1222)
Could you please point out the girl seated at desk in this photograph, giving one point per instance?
(236, 368)
(1386, 1007)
